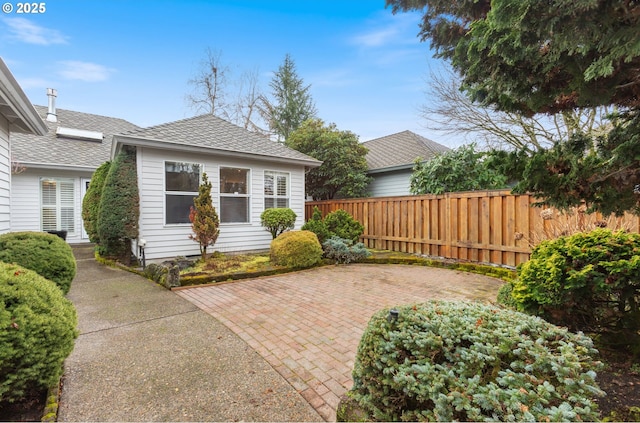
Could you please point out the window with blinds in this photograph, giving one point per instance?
(276, 189)
(57, 198)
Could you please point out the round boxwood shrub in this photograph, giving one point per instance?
(46, 254)
(37, 332)
(456, 361)
(276, 221)
(589, 281)
(296, 249)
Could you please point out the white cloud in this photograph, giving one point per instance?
(84, 71)
(387, 29)
(29, 83)
(24, 30)
(376, 38)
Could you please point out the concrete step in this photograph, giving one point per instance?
(83, 251)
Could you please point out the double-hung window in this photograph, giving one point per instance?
(57, 200)
(234, 195)
(181, 182)
(276, 189)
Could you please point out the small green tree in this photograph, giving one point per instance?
(344, 167)
(91, 201)
(317, 226)
(119, 207)
(276, 221)
(204, 218)
(461, 169)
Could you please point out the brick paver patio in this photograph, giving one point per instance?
(308, 324)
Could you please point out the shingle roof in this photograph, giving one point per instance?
(400, 149)
(58, 151)
(211, 132)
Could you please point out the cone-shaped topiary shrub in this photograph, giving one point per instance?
(296, 249)
(119, 207)
(456, 361)
(37, 332)
(46, 254)
(91, 201)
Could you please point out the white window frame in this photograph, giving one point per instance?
(223, 194)
(167, 193)
(65, 201)
(276, 196)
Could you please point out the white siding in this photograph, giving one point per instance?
(25, 200)
(389, 184)
(5, 177)
(173, 240)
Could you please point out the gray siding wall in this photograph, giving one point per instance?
(164, 241)
(388, 184)
(25, 200)
(5, 177)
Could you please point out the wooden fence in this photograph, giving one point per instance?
(480, 226)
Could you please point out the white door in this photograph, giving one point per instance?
(84, 186)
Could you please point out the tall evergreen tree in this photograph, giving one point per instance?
(204, 218)
(292, 103)
(119, 207)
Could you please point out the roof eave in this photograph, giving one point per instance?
(392, 168)
(119, 140)
(56, 166)
(16, 107)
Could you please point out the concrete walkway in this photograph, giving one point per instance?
(307, 325)
(145, 354)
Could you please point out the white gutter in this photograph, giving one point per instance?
(24, 117)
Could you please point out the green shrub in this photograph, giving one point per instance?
(46, 254)
(341, 224)
(276, 221)
(119, 207)
(38, 328)
(91, 201)
(344, 251)
(455, 361)
(317, 226)
(296, 249)
(587, 281)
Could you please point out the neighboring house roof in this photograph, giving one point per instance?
(16, 107)
(210, 134)
(399, 151)
(69, 149)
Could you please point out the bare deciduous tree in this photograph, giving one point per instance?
(216, 91)
(210, 85)
(449, 110)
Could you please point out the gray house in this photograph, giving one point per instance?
(391, 159)
(17, 116)
(52, 172)
(248, 173)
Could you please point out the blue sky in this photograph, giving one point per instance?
(133, 59)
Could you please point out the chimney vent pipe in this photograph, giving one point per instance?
(51, 112)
